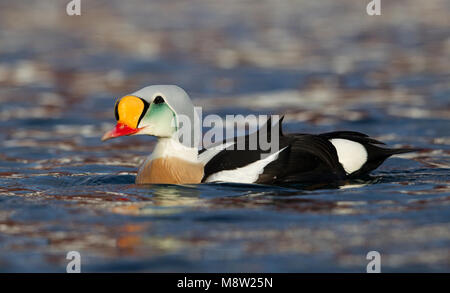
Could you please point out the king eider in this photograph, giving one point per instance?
(300, 158)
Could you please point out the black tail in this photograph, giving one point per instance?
(390, 152)
(376, 156)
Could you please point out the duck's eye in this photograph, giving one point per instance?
(158, 100)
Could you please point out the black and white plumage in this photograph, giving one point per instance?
(301, 158)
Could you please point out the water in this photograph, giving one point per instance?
(326, 66)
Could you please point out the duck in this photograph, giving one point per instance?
(159, 111)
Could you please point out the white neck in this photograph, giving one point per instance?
(170, 147)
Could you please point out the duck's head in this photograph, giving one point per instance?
(155, 110)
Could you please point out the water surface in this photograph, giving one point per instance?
(327, 66)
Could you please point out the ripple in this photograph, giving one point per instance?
(62, 189)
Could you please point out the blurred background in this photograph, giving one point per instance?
(326, 64)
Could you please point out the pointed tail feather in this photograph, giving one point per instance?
(390, 152)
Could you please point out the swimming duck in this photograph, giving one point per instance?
(300, 158)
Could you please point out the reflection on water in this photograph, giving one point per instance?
(325, 64)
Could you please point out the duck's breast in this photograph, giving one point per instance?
(169, 170)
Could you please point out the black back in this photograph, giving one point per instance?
(306, 158)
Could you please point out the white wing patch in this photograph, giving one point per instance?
(208, 154)
(246, 174)
(352, 155)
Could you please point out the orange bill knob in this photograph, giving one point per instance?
(129, 110)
